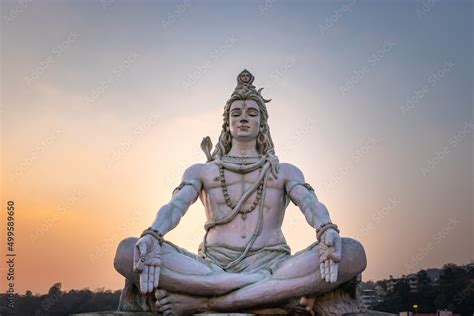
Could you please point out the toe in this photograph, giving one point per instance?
(164, 301)
(160, 294)
(303, 300)
(165, 308)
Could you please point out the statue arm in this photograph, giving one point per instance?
(317, 215)
(303, 195)
(184, 195)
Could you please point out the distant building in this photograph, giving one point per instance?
(380, 292)
(391, 284)
(368, 298)
(434, 275)
(412, 280)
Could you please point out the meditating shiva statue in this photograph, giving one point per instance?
(244, 263)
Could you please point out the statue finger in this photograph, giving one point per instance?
(335, 257)
(334, 272)
(151, 276)
(136, 254)
(140, 265)
(329, 239)
(321, 269)
(331, 267)
(136, 257)
(144, 280)
(328, 270)
(142, 248)
(325, 269)
(338, 249)
(156, 278)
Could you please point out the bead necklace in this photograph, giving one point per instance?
(229, 202)
(240, 160)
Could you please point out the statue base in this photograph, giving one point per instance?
(117, 313)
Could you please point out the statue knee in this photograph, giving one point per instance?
(353, 260)
(123, 261)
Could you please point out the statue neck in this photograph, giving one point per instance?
(243, 148)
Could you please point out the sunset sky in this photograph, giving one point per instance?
(104, 104)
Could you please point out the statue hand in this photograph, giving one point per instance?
(147, 261)
(329, 255)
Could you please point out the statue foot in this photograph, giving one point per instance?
(177, 304)
(308, 303)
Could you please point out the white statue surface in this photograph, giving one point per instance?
(244, 263)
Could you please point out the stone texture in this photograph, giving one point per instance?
(116, 313)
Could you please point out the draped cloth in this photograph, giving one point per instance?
(266, 258)
(217, 257)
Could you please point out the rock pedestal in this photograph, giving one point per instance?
(117, 313)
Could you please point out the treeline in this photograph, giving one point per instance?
(454, 291)
(58, 303)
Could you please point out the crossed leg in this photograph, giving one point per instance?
(296, 277)
(185, 273)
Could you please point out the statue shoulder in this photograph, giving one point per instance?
(200, 171)
(291, 172)
(194, 172)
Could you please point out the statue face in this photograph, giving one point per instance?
(244, 119)
(245, 77)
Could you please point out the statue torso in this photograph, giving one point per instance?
(239, 231)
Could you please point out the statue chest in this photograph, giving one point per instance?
(215, 191)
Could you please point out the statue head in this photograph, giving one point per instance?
(245, 98)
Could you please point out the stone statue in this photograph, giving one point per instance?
(244, 262)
